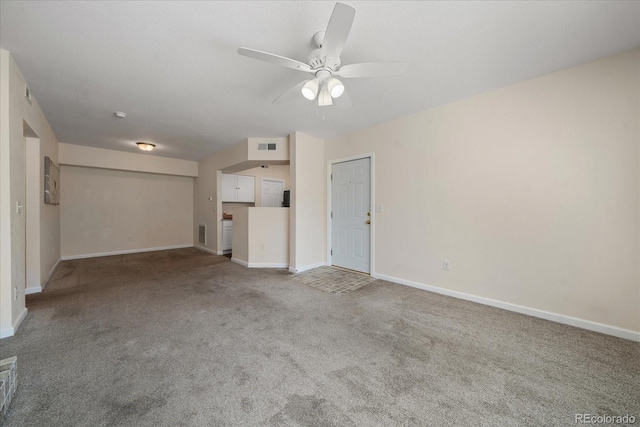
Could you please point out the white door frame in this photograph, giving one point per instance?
(263, 179)
(330, 163)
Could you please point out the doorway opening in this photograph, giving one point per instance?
(32, 198)
(271, 192)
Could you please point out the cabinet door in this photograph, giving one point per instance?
(227, 236)
(246, 191)
(229, 187)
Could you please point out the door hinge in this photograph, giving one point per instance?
(331, 252)
(331, 177)
(331, 214)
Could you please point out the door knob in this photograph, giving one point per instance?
(368, 221)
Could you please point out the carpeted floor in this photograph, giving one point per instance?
(184, 338)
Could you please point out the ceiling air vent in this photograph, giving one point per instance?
(267, 146)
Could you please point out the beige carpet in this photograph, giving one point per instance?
(184, 338)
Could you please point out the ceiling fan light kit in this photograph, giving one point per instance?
(335, 86)
(310, 89)
(324, 62)
(145, 146)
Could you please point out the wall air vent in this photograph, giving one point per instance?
(267, 146)
(202, 234)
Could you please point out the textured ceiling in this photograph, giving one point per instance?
(174, 69)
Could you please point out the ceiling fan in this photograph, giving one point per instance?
(324, 62)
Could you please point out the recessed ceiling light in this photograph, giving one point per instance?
(120, 114)
(145, 146)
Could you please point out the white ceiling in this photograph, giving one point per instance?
(174, 69)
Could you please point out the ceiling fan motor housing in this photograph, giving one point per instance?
(315, 59)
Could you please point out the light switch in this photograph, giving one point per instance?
(379, 208)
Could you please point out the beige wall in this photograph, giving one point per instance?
(308, 202)
(78, 155)
(208, 207)
(33, 198)
(105, 211)
(531, 191)
(15, 113)
(261, 237)
(281, 172)
(240, 236)
(268, 237)
(280, 153)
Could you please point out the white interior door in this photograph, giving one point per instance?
(272, 192)
(351, 214)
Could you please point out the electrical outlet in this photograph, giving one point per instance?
(262, 247)
(446, 265)
(379, 208)
(130, 237)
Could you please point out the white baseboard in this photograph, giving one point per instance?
(38, 289)
(211, 251)
(9, 332)
(307, 267)
(554, 317)
(50, 274)
(268, 265)
(239, 261)
(128, 251)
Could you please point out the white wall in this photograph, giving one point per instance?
(105, 211)
(531, 191)
(308, 202)
(16, 117)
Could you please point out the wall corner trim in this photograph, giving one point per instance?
(211, 251)
(239, 261)
(49, 275)
(307, 267)
(534, 312)
(9, 332)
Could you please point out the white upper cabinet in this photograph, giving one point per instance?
(238, 188)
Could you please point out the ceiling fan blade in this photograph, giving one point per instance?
(274, 59)
(338, 30)
(372, 69)
(291, 94)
